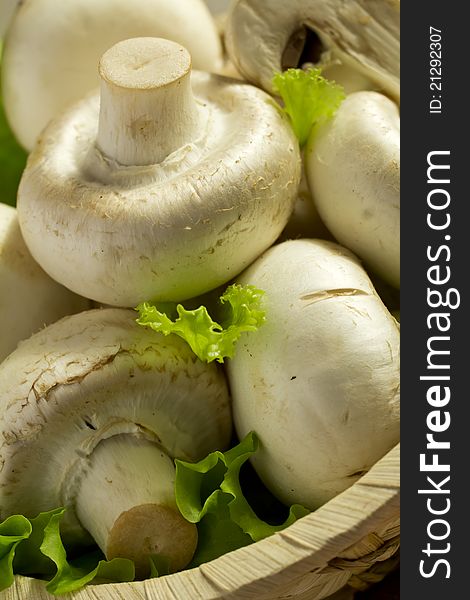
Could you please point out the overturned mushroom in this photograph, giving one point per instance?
(30, 299)
(93, 409)
(52, 50)
(359, 37)
(352, 163)
(164, 191)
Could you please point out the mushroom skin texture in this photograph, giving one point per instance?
(30, 299)
(358, 36)
(162, 191)
(352, 162)
(319, 382)
(79, 397)
(52, 49)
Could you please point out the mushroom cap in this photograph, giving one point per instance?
(52, 50)
(89, 377)
(30, 299)
(168, 231)
(353, 169)
(319, 382)
(361, 34)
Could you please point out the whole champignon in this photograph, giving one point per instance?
(52, 49)
(93, 409)
(358, 36)
(163, 191)
(353, 169)
(29, 299)
(319, 382)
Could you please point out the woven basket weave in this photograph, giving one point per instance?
(353, 539)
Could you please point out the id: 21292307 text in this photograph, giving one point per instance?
(435, 70)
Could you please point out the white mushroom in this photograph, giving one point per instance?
(352, 163)
(319, 382)
(29, 299)
(360, 36)
(171, 192)
(93, 410)
(52, 50)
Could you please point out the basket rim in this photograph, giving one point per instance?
(309, 543)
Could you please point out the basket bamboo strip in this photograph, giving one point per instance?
(341, 542)
(376, 573)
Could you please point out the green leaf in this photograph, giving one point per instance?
(208, 339)
(217, 532)
(12, 159)
(13, 531)
(159, 565)
(209, 493)
(41, 553)
(29, 560)
(69, 578)
(308, 98)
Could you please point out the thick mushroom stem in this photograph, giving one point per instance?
(147, 107)
(126, 501)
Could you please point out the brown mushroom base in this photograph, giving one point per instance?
(126, 501)
(151, 529)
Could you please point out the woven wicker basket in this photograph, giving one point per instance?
(353, 539)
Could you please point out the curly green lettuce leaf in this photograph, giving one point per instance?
(69, 578)
(159, 565)
(209, 493)
(29, 560)
(13, 531)
(217, 532)
(208, 339)
(12, 159)
(34, 547)
(308, 98)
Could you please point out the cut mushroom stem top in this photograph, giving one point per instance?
(147, 107)
(52, 49)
